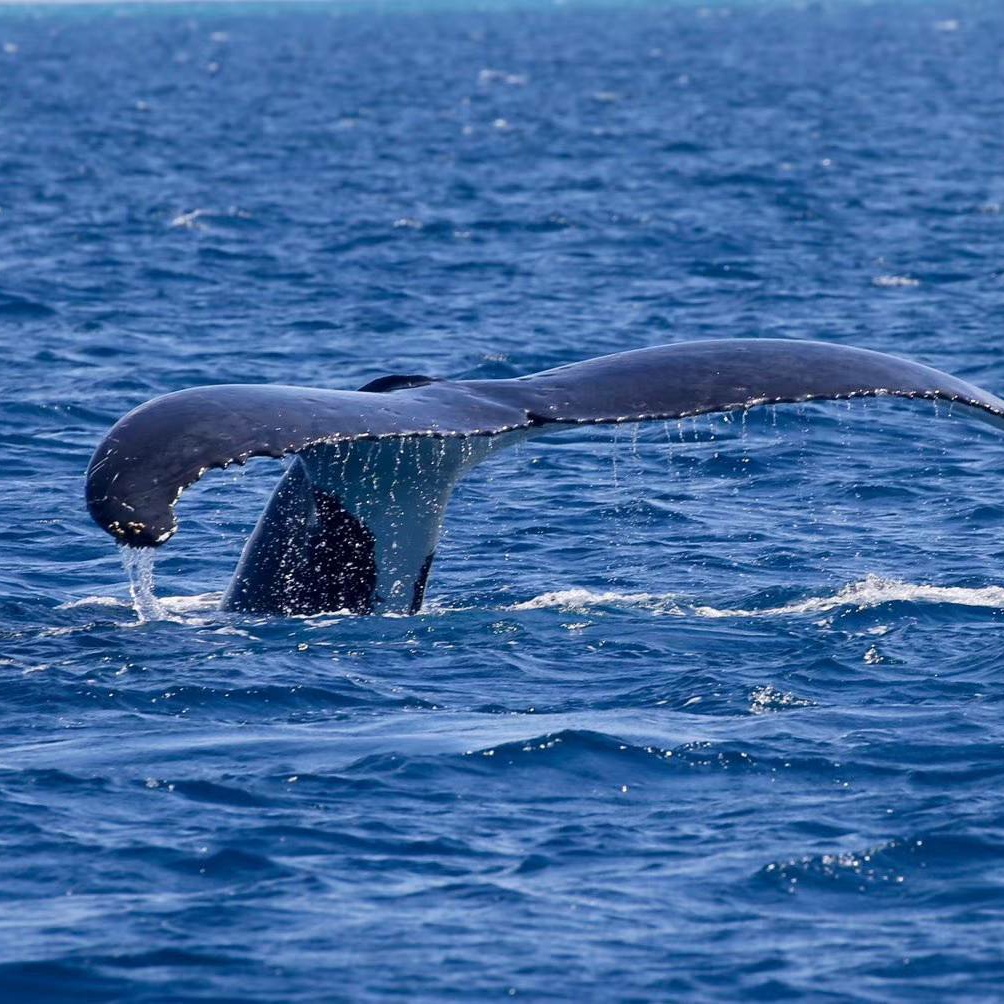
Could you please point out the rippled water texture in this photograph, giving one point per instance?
(703, 711)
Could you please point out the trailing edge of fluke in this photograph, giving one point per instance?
(354, 523)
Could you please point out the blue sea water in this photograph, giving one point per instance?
(708, 710)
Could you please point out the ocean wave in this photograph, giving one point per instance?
(21, 308)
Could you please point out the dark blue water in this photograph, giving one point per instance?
(706, 711)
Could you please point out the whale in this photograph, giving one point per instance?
(354, 522)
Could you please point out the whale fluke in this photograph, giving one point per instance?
(355, 521)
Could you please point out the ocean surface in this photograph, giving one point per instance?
(709, 710)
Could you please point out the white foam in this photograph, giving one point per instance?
(199, 603)
(194, 219)
(94, 601)
(580, 600)
(190, 220)
(873, 591)
(894, 281)
(175, 608)
(489, 76)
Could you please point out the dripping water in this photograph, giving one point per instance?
(138, 563)
(616, 450)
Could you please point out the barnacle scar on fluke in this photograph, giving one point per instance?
(355, 520)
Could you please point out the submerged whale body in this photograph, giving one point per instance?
(353, 524)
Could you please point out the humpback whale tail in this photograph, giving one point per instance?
(355, 520)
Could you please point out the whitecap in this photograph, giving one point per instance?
(895, 281)
(190, 220)
(489, 76)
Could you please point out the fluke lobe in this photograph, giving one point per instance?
(353, 524)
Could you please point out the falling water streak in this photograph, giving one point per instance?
(804, 453)
(393, 479)
(345, 453)
(370, 471)
(844, 425)
(139, 564)
(667, 433)
(615, 469)
(745, 444)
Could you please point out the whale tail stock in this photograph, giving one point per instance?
(355, 520)
(353, 526)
